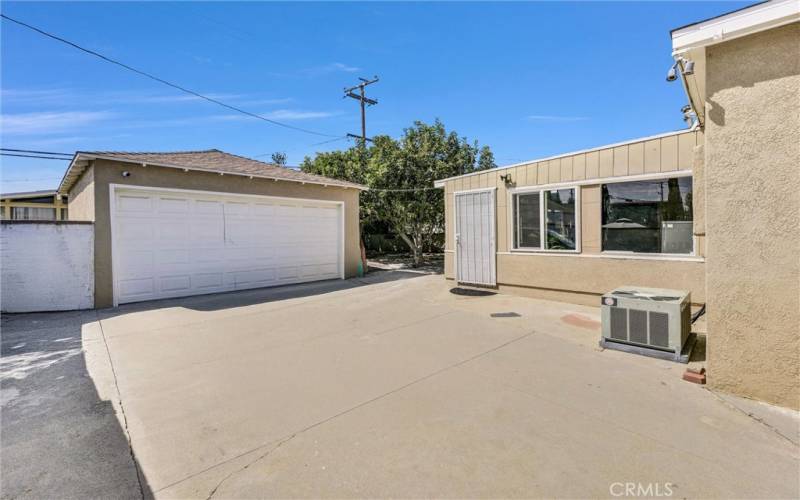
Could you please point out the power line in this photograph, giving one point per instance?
(344, 137)
(161, 80)
(35, 156)
(11, 181)
(35, 152)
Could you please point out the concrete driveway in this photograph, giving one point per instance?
(394, 387)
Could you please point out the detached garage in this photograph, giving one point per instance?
(189, 223)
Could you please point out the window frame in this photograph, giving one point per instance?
(513, 209)
(631, 253)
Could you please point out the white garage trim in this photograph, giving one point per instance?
(114, 190)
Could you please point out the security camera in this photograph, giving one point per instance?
(672, 74)
(126, 174)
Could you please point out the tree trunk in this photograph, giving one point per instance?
(414, 246)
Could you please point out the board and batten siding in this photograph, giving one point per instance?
(661, 154)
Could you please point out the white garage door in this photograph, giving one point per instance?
(173, 244)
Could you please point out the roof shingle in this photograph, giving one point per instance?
(211, 160)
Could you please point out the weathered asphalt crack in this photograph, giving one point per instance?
(122, 411)
(356, 407)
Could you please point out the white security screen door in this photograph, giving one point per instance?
(174, 244)
(475, 237)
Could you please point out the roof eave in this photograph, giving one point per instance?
(736, 24)
(83, 156)
(437, 182)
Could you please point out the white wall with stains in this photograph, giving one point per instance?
(46, 266)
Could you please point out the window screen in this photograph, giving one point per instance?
(529, 221)
(560, 209)
(648, 216)
(558, 229)
(33, 213)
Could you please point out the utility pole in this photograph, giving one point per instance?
(364, 101)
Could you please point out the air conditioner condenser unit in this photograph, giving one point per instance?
(653, 322)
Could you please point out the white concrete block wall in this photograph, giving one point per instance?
(46, 266)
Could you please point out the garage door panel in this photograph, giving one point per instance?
(237, 209)
(288, 272)
(136, 263)
(173, 257)
(170, 284)
(133, 288)
(173, 205)
(204, 281)
(208, 207)
(263, 210)
(254, 277)
(207, 231)
(170, 245)
(134, 203)
(241, 233)
(175, 232)
(137, 229)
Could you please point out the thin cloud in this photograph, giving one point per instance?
(34, 96)
(265, 102)
(139, 98)
(290, 114)
(335, 67)
(50, 122)
(555, 118)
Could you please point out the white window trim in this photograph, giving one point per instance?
(659, 256)
(542, 219)
(693, 256)
(677, 257)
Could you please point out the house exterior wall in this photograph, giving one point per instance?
(582, 277)
(47, 266)
(9, 203)
(752, 155)
(106, 172)
(81, 197)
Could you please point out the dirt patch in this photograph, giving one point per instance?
(581, 321)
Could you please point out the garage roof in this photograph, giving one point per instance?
(211, 160)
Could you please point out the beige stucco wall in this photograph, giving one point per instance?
(81, 197)
(752, 156)
(581, 278)
(107, 172)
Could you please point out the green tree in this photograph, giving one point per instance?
(400, 175)
(279, 158)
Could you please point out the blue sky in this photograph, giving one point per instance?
(528, 79)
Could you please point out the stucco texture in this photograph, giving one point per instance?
(105, 172)
(81, 197)
(753, 215)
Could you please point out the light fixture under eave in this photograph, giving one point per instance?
(672, 74)
(686, 67)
